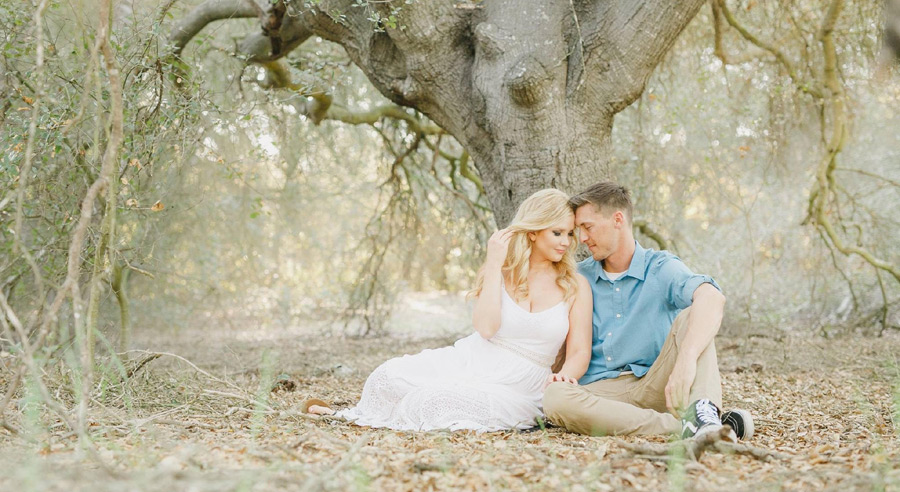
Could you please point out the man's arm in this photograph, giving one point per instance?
(703, 323)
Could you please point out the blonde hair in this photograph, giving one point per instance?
(540, 211)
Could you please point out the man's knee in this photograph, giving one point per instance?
(557, 397)
(679, 325)
(565, 406)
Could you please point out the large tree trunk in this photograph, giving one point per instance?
(529, 87)
(891, 43)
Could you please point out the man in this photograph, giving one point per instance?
(653, 355)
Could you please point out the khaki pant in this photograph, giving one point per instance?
(629, 405)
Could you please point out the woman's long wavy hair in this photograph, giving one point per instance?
(540, 211)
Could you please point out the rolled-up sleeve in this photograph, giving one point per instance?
(680, 282)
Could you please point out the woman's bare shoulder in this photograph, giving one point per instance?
(582, 282)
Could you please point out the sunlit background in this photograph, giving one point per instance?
(236, 212)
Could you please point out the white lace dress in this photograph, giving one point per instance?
(478, 384)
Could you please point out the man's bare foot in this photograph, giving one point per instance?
(319, 410)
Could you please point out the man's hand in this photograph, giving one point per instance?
(678, 389)
(559, 377)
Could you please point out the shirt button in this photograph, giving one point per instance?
(617, 289)
(609, 334)
(618, 315)
(609, 358)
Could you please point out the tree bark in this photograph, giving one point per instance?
(529, 87)
(892, 29)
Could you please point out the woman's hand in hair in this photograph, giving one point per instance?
(497, 247)
(486, 313)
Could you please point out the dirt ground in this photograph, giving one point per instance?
(826, 407)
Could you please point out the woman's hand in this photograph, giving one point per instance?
(561, 378)
(497, 247)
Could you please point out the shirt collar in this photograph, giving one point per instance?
(635, 268)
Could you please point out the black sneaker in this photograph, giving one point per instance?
(741, 421)
(699, 418)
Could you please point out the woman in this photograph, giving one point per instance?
(528, 301)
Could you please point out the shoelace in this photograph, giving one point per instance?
(707, 413)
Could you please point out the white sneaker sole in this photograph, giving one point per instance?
(708, 429)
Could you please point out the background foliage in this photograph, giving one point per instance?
(233, 208)
(203, 214)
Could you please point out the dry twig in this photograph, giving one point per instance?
(193, 366)
(693, 449)
(149, 357)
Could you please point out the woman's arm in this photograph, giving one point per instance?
(578, 341)
(486, 313)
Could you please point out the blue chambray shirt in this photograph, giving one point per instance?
(633, 315)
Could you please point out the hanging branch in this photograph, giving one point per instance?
(381, 232)
(473, 207)
(825, 174)
(411, 177)
(460, 164)
(777, 53)
(870, 175)
(648, 230)
(884, 303)
(719, 49)
(322, 106)
(466, 172)
(831, 99)
(840, 270)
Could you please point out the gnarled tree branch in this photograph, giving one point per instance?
(648, 230)
(693, 449)
(825, 173)
(777, 53)
(831, 98)
(207, 12)
(528, 87)
(387, 111)
(624, 41)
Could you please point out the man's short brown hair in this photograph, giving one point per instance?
(606, 197)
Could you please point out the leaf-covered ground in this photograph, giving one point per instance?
(827, 406)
